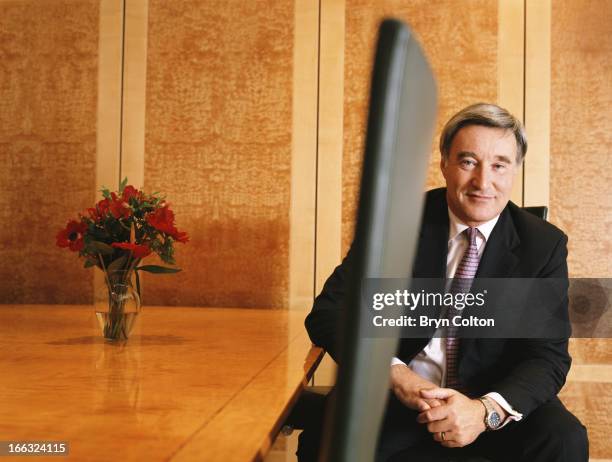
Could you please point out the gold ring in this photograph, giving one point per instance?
(442, 436)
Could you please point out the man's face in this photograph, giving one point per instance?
(479, 172)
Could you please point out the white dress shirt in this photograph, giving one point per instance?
(430, 363)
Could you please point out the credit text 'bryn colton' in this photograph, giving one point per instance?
(426, 321)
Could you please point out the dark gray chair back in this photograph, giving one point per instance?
(540, 211)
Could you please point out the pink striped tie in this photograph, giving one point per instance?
(462, 281)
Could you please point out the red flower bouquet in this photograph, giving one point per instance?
(115, 235)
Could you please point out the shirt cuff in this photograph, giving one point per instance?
(512, 414)
(395, 361)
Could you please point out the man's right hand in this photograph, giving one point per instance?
(407, 385)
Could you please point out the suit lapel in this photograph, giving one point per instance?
(497, 261)
(433, 247)
(433, 241)
(430, 260)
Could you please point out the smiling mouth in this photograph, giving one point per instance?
(480, 196)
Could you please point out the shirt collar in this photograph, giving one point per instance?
(457, 227)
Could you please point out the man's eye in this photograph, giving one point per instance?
(499, 167)
(467, 163)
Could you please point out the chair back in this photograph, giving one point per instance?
(539, 211)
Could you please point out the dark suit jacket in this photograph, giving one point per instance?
(526, 372)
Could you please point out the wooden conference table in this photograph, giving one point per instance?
(191, 384)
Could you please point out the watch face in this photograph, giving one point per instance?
(494, 420)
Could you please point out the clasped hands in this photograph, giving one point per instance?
(452, 418)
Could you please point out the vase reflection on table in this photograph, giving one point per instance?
(116, 382)
(118, 304)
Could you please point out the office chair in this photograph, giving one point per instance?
(539, 211)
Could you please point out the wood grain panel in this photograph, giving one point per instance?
(218, 143)
(110, 80)
(48, 100)
(510, 69)
(579, 69)
(537, 102)
(581, 133)
(134, 92)
(304, 154)
(330, 139)
(591, 350)
(590, 373)
(460, 42)
(591, 403)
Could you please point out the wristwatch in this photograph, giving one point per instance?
(492, 420)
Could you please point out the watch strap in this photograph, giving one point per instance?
(489, 410)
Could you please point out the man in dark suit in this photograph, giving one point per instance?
(489, 397)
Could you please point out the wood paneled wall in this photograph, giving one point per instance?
(581, 132)
(218, 142)
(220, 108)
(48, 103)
(197, 99)
(581, 185)
(461, 42)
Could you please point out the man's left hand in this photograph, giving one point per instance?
(460, 418)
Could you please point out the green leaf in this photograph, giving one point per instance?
(106, 193)
(158, 269)
(116, 264)
(123, 185)
(100, 247)
(138, 284)
(89, 263)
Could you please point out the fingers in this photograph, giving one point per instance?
(438, 393)
(448, 436)
(433, 414)
(451, 444)
(439, 426)
(448, 440)
(422, 405)
(434, 402)
(413, 401)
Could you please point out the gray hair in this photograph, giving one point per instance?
(488, 115)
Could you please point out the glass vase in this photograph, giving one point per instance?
(117, 305)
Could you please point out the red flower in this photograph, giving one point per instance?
(93, 214)
(72, 236)
(118, 207)
(180, 236)
(128, 192)
(139, 251)
(102, 209)
(163, 220)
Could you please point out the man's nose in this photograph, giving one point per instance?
(481, 179)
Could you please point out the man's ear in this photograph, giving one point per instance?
(519, 164)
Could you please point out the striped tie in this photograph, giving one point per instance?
(462, 281)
